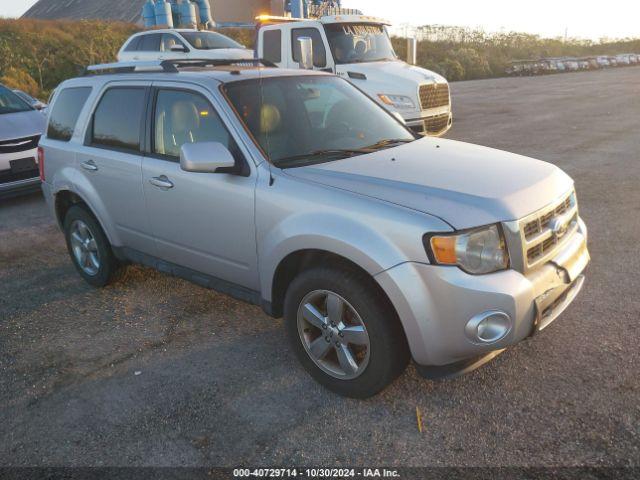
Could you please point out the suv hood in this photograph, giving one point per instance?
(466, 185)
(21, 124)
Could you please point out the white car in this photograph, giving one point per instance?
(181, 44)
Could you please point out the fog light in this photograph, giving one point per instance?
(488, 327)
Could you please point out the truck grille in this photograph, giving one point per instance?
(19, 144)
(540, 240)
(434, 95)
(436, 124)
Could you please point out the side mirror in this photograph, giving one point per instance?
(205, 157)
(178, 48)
(306, 53)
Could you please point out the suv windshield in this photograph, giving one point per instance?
(300, 121)
(359, 42)
(209, 40)
(12, 103)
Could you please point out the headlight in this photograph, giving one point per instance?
(400, 102)
(477, 251)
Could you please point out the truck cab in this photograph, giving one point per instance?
(358, 48)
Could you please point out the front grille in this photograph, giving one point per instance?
(434, 95)
(534, 227)
(538, 239)
(19, 144)
(436, 124)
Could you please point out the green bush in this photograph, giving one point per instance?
(52, 51)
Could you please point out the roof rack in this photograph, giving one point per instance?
(172, 66)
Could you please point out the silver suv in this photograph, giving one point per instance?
(295, 191)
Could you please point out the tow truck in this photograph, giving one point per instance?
(358, 48)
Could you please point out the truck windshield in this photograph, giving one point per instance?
(304, 120)
(209, 40)
(359, 42)
(11, 103)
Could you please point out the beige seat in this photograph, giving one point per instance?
(183, 127)
(272, 136)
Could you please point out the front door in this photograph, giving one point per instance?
(202, 221)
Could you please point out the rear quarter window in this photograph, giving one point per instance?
(133, 45)
(65, 113)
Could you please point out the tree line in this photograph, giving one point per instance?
(36, 55)
(460, 53)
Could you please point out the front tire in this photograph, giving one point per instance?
(344, 333)
(89, 247)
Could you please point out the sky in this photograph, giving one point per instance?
(579, 18)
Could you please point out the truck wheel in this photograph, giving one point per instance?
(89, 248)
(344, 334)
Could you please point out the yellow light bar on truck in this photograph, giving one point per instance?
(276, 19)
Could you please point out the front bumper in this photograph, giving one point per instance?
(435, 303)
(18, 182)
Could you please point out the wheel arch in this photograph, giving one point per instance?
(296, 262)
(66, 198)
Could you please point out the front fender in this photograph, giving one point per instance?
(355, 242)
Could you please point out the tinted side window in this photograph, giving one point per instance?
(319, 52)
(272, 46)
(65, 113)
(169, 41)
(116, 121)
(133, 45)
(186, 117)
(150, 43)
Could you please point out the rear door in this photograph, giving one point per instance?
(130, 51)
(110, 164)
(202, 221)
(149, 47)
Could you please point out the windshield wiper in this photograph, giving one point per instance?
(343, 152)
(389, 142)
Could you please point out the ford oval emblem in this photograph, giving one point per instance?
(558, 227)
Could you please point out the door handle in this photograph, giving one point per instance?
(161, 181)
(89, 165)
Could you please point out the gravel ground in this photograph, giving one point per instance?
(157, 371)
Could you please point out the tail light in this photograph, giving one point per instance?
(41, 163)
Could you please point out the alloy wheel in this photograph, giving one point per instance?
(85, 248)
(333, 334)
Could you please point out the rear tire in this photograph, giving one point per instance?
(322, 338)
(89, 248)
